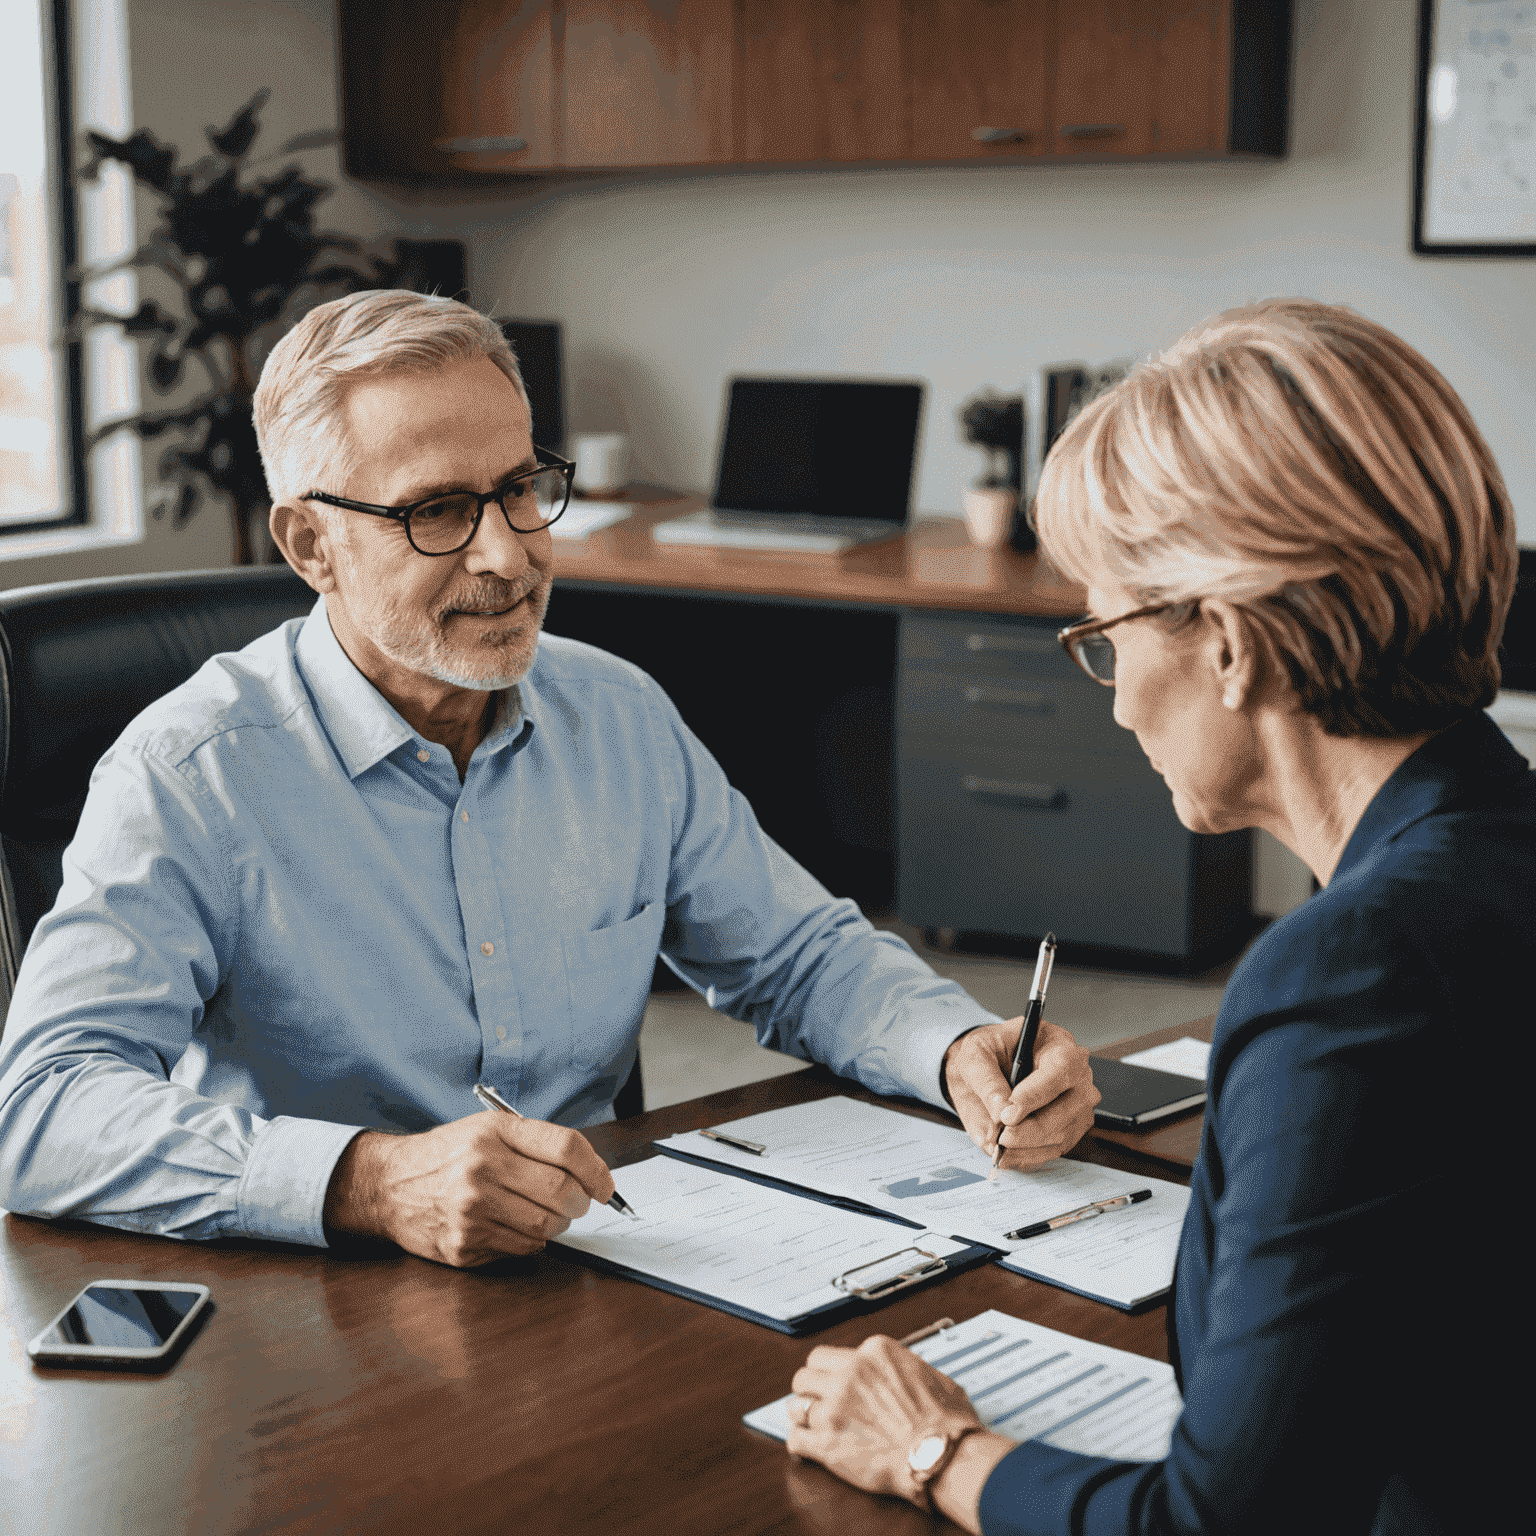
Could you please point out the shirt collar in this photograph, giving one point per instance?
(364, 727)
(1469, 756)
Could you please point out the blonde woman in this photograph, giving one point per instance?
(1299, 556)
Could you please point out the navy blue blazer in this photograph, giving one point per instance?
(1331, 1354)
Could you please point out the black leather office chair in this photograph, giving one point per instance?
(78, 660)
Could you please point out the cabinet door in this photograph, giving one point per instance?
(980, 85)
(466, 86)
(647, 82)
(1139, 77)
(821, 80)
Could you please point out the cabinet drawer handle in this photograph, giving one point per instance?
(1092, 130)
(1010, 643)
(998, 135)
(470, 145)
(1040, 797)
(1029, 701)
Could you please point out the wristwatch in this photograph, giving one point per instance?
(933, 1452)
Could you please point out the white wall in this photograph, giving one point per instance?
(981, 275)
(964, 277)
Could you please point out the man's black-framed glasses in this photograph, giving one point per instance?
(530, 501)
(1088, 645)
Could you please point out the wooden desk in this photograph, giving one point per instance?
(379, 1393)
(934, 565)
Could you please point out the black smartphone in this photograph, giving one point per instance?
(130, 1323)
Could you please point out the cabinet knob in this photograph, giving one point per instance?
(998, 135)
(1092, 130)
(1028, 701)
(1011, 643)
(493, 144)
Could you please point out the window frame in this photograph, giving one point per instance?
(58, 106)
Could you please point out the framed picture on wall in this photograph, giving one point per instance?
(1475, 165)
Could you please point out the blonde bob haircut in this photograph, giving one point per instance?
(297, 406)
(1307, 466)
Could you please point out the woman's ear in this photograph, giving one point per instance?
(1232, 655)
(304, 539)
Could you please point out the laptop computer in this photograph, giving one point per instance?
(812, 465)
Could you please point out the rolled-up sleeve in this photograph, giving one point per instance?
(92, 1122)
(767, 943)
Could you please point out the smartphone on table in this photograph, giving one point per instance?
(128, 1323)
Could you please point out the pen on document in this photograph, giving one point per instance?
(493, 1100)
(739, 1142)
(1082, 1213)
(925, 1333)
(1024, 1052)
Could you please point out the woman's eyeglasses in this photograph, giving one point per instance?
(1088, 645)
(442, 525)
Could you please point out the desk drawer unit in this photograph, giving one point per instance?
(1023, 807)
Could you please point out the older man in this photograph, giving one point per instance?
(404, 845)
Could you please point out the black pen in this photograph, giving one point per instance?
(1024, 1052)
(1082, 1213)
(493, 1100)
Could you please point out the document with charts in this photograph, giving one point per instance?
(1033, 1383)
(937, 1177)
(757, 1250)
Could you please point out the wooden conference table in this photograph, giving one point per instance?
(375, 1392)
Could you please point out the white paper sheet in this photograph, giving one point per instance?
(1186, 1057)
(936, 1175)
(1034, 1383)
(583, 517)
(741, 1242)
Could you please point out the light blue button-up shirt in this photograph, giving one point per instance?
(284, 920)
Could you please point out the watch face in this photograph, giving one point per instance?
(926, 1453)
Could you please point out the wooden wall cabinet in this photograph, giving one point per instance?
(468, 88)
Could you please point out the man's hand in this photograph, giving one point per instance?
(860, 1411)
(467, 1192)
(1046, 1115)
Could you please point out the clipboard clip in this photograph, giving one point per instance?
(924, 1268)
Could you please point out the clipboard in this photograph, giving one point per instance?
(863, 1287)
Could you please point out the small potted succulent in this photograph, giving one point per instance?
(994, 423)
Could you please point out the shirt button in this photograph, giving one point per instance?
(463, 815)
(501, 1031)
(487, 948)
(423, 756)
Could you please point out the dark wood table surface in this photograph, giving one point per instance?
(375, 1392)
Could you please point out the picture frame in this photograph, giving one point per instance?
(1474, 190)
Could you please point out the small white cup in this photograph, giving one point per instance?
(989, 515)
(602, 463)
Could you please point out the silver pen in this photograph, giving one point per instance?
(493, 1100)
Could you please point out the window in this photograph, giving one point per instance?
(41, 472)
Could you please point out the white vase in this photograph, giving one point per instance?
(989, 514)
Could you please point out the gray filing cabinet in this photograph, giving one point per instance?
(1023, 807)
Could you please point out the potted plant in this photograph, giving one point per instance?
(249, 262)
(996, 424)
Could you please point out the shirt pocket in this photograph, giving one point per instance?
(608, 974)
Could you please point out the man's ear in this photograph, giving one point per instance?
(300, 533)
(1233, 656)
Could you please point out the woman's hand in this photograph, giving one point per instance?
(860, 1411)
(1045, 1116)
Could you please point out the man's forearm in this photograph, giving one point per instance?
(352, 1202)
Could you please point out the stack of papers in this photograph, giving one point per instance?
(935, 1176)
(1033, 1383)
(1185, 1057)
(581, 518)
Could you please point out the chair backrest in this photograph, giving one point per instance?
(78, 660)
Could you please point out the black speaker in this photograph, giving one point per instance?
(431, 266)
(537, 345)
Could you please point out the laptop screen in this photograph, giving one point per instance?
(828, 448)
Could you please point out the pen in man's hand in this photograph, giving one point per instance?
(493, 1100)
(1034, 1011)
